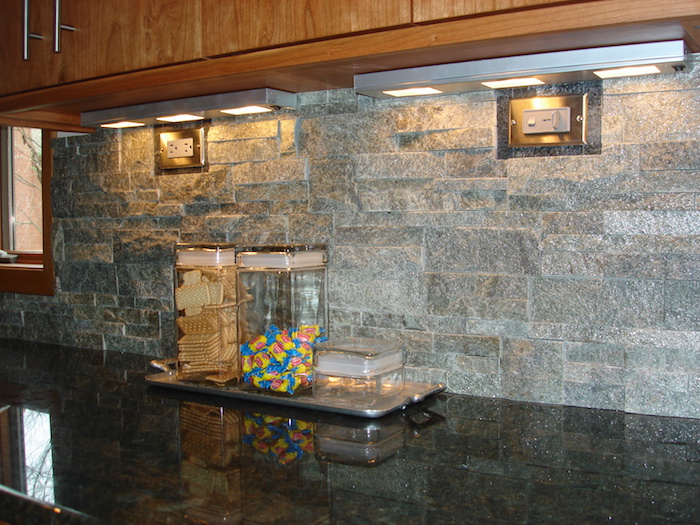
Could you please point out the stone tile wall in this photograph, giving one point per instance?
(567, 280)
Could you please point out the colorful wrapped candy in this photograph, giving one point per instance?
(281, 360)
(283, 439)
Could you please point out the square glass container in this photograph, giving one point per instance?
(282, 314)
(205, 300)
(358, 369)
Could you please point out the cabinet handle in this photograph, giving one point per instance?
(26, 35)
(58, 26)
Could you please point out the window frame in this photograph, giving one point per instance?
(33, 273)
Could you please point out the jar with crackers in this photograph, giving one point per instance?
(282, 314)
(205, 299)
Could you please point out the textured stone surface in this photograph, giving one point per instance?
(553, 278)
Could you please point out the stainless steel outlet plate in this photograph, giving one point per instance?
(522, 109)
(182, 149)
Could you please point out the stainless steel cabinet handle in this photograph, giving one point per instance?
(26, 35)
(58, 26)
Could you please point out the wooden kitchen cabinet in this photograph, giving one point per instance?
(42, 67)
(110, 37)
(164, 49)
(242, 25)
(430, 10)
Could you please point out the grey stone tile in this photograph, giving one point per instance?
(683, 305)
(278, 170)
(672, 223)
(442, 140)
(377, 258)
(594, 394)
(244, 150)
(390, 291)
(532, 370)
(399, 166)
(272, 191)
(601, 302)
(660, 393)
(474, 250)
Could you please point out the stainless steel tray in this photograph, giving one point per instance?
(412, 393)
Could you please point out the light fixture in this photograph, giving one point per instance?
(182, 117)
(124, 124)
(246, 110)
(194, 108)
(633, 71)
(513, 82)
(559, 67)
(412, 92)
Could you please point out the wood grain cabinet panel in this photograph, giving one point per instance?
(110, 37)
(242, 25)
(429, 10)
(116, 36)
(42, 67)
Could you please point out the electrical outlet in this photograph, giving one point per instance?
(182, 149)
(179, 148)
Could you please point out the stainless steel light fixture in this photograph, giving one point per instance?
(558, 67)
(189, 109)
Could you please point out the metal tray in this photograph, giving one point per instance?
(412, 393)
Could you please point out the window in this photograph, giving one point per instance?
(25, 211)
(26, 452)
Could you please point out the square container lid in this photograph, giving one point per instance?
(357, 356)
(282, 256)
(205, 255)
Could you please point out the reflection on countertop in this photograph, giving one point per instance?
(82, 431)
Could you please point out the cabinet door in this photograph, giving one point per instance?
(115, 36)
(240, 25)
(41, 68)
(427, 10)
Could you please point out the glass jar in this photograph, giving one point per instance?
(358, 369)
(282, 314)
(205, 299)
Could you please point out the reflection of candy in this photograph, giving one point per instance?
(283, 439)
(281, 360)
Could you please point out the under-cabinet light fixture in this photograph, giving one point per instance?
(124, 124)
(246, 110)
(183, 117)
(559, 67)
(189, 109)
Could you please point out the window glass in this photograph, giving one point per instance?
(26, 265)
(22, 207)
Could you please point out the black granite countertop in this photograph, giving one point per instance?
(111, 449)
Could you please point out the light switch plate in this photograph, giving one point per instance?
(531, 125)
(182, 149)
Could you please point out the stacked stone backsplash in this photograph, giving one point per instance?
(568, 280)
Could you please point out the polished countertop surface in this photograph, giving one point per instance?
(84, 439)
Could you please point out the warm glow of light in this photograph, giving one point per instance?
(412, 92)
(185, 117)
(513, 82)
(246, 110)
(628, 71)
(123, 124)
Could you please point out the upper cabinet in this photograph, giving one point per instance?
(99, 38)
(429, 10)
(126, 52)
(26, 47)
(115, 36)
(241, 25)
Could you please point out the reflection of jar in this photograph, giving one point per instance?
(282, 313)
(205, 299)
(211, 474)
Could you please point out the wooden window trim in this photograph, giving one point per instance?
(34, 273)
